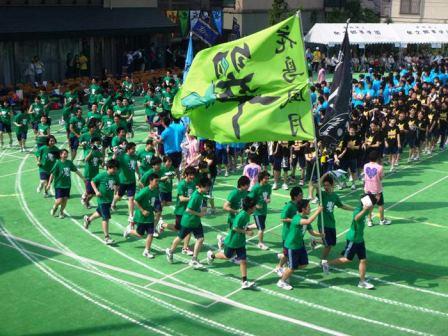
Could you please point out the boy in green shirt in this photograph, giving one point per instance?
(46, 157)
(261, 192)
(104, 184)
(297, 255)
(151, 102)
(147, 212)
(128, 116)
(21, 128)
(5, 122)
(355, 241)
(235, 242)
(144, 156)
(76, 124)
(43, 132)
(92, 162)
(191, 223)
(35, 112)
(61, 175)
(94, 114)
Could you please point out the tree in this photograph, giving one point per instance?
(353, 10)
(279, 12)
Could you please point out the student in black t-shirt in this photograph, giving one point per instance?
(422, 132)
(351, 152)
(412, 135)
(209, 157)
(392, 143)
(404, 130)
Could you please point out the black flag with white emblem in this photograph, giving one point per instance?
(338, 112)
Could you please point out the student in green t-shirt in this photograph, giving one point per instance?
(191, 223)
(151, 103)
(92, 162)
(61, 175)
(105, 185)
(46, 157)
(21, 122)
(288, 212)
(296, 251)
(355, 245)
(145, 155)
(147, 212)
(5, 122)
(43, 131)
(261, 192)
(329, 200)
(36, 111)
(128, 117)
(76, 124)
(94, 114)
(166, 181)
(235, 242)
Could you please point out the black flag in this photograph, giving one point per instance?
(338, 112)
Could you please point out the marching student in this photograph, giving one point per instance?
(147, 212)
(46, 157)
(297, 255)
(76, 124)
(235, 242)
(191, 223)
(252, 170)
(392, 143)
(5, 122)
(21, 122)
(61, 175)
(105, 184)
(261, 193)
(355, 241)
(92, 162)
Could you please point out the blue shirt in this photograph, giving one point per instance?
(172, 137)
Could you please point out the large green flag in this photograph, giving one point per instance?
(251, 89)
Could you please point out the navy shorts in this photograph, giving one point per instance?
(107, 141)
(74, 143)
(354, 249)
(104, 210)
(166, 197)
(311, 174)
(176, 158)
(129, 125)
(260, 221)
(298, 159)
(89, 188)
(351, 164)
(177, 223)
(44, 176)
(221, 156)
(412, 139)
(330, 236)
(62, 193)
(5, 127)
(277, 163)
(143, 228)
(150, 119)
(380, 201)
(129, 189)
(391, 150)
(240, 252)
(198, 232)
(297, 258)
(34, 125)
(21, 136)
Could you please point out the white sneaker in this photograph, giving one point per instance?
(53, 212)
(247, 284)
(126, 232)
(279, 256)
(353, 187)
(325, 267)
(263, 247)
(284, 285)
(220, 239)
(86, 222)
(210, 257)
(195, 264)
(187, 251)
(226, 174)
(108, 241)
(284, 186)
(274, 186)
(369, 223)
(159, 227)
(365, 285)
(279, 271)
(148, 254)
(62, 215)
(385, 221)
(169, 255)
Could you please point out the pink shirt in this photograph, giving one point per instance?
(321, 75)
(373, 174)
(252, 170)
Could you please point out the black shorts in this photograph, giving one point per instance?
(260, 221)
(354, 249)
(44, 176)
(21, 135)
(298, 158)
(89, 188)
(129, 189)
(412, 139)
(166, 197)
(143, 228)
(74, 143)
(198, 232)
(62, 193)
(297, 258)
(330, 236)
(176, 158)
(280, 163)
(5, 127)
(230, 252)
(311, 174)
(103, 210)
(107, 141)
(34, 125)
(380, 202)
(351, 164)
(129, 125)
(391, 150)
(221, 156)
(177, 222)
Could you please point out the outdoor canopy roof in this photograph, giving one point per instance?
(375, 33)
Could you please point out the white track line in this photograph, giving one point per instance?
(419, 221)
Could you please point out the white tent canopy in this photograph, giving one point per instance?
(374, 33)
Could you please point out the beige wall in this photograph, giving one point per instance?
(263, 5)
(129, 3)
(433, 11)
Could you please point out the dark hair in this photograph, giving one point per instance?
(190, 171)
(51, 136)
(166, 159)
(63, 150)
(262, 175)
(373, 156)
(205, 182)
(295, 191)
(130, 145)
(248, 203)
(95, 139)
(119, 129)
(155, 160)
(202, 165)
(149, 141)
(303, 204)
(253, 157)
(243, 181)
(329, 179)
(152, 176)
(112, 163)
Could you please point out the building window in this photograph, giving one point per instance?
(410, 7)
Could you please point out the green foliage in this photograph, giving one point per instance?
(355, 12)
(279, 12)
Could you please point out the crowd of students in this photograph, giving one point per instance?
(390, 112)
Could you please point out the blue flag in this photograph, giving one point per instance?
(189, 58)
(204, 32)
(217, 19)
(236, 28)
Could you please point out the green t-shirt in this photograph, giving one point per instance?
(92, 165)
(96, 116)
(107, 122)
(114, 127)
(104, 102)
(44, 99)
(237, 239)
(329, 200)
(120, 110)
(78, 124)
(167, 101)
(195, 203)
(235, 198)
(289, 211)
(150, 105)
(166, 186)
(294, 239)
(42, 133)
(185, 189)
(22, 120)
(70, 97)
(128, 167)
(148, 200)
(105, 184)
(84, 141)
(260, 193)
(117, 141)
(5, 116)
(62, 174)
(37, 111)
(144, 158)
(93, 91)
(47, 157)
(356, 232)
(144, 179)
(67, 114)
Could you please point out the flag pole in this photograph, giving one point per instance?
(317, 162)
